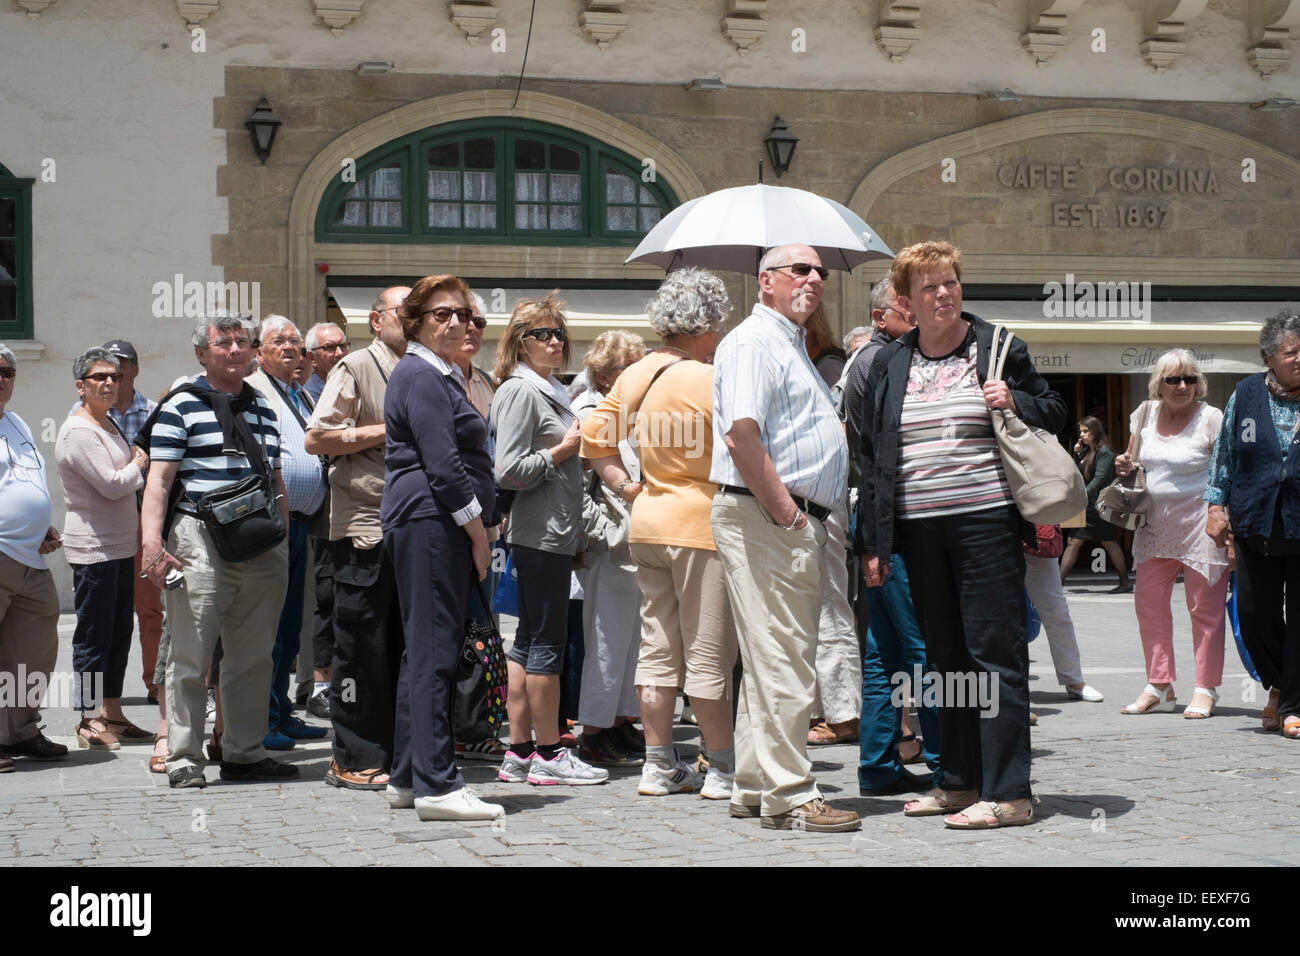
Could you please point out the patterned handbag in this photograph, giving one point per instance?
(479, 702)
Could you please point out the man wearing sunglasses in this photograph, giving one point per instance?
(326, 344)
(781, 466)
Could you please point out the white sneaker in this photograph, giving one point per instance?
(400, 798)
(514, 768)
(717, 785)
(566, 768)
(1086, 693)
(462, 804)
(657, 782)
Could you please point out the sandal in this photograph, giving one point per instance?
(214, 747)
(88, 738)
(158, 761)
(1191, 712)
(1291, 728)
(129, 732)
(823, 734)
(939, 801)
(989, 815)
(1163, 704)
(916, 757)
(1268, 716)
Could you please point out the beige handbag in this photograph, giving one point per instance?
(1045, 482)
(1125, 502)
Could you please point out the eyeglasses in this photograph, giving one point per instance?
(334, 347)
(444, 314)
(545, 335)
(283, 342)
(100, 377)
(1176, 380)
(229, 345)
(479, 322)
(802, 269)
(7, 373)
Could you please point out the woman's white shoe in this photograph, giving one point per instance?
(1193, 712)
(1163, 704)
(462, 804)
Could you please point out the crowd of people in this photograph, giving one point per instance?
(731, 509)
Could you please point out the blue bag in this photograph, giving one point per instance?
(506, 598)
(1244, 654)
(1033, 623)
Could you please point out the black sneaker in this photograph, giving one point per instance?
(629, 738)
(318, 705)
(39, 747)
(264, 769)
(190, 776)
(603, 750)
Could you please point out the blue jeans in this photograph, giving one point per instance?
(893, 646)
(289, 632)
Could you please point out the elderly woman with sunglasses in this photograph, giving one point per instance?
(537, 438)
(1255, 476)
(101, 474)
(1178, 431)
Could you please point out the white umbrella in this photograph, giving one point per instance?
(731, 228)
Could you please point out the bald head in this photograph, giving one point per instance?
(384, 320)
(781, 287)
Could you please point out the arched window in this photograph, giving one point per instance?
(15, 256)
(493, 180)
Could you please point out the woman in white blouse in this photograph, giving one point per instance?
(100, 475)
(1176, 444)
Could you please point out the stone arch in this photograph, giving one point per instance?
(306, 286)
(1116, 122)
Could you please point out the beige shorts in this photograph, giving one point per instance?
(688, 638)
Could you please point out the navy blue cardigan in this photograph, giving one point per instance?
(435, 459)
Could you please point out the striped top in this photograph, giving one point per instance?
(761, 371)
(187, 431)
(948, 460)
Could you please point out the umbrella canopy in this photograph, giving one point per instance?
(730, 229)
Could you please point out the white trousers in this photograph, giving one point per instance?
(1043, 582)
(838, 697)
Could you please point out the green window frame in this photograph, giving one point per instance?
(15, 256)
(496, 180)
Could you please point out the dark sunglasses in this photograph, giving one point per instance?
(479, 322)
(1176, 380)
(99, 377)
(802, 269)
(444, 314)
(8, 373)
(544, 335)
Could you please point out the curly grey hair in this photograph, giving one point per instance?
(222, 321)
(689, 302)
(854, 334)
(7, 354)
(1275, 329)
(84, 362)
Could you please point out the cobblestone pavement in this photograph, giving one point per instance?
(1113, 789)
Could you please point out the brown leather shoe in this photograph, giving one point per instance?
(6, 765)
(375, 779)
(817, 816)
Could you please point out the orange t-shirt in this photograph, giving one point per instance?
(674, 437)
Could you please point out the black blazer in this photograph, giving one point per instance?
(881, 410)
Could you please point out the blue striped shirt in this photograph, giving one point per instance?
(187, 431)
(762, 371)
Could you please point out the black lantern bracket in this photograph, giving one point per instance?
(262, 126)
(780, 143)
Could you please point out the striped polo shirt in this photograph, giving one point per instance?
(948, 460)
(187, 431)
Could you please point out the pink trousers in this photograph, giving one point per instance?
(1205, 604)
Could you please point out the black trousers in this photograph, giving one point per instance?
(367, 625)
(432, 557)
(105, 603)
(967, 579)
(1270, 621)
(322, 624)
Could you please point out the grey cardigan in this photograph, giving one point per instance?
(547, 510)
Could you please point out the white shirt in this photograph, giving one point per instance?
(761, 371)
(25, 514)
